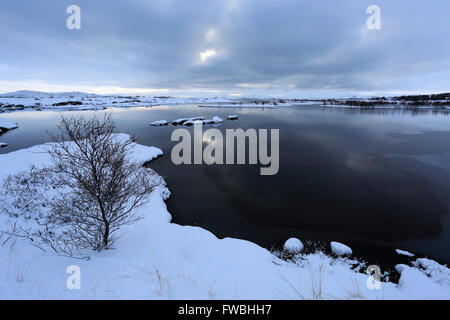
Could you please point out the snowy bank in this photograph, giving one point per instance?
(157, 259)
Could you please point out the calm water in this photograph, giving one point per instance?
(375, 180)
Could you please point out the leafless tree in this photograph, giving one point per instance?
(105, 185)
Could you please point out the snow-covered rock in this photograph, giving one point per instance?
(2, 144)
(159, 123)
(191, 123)
(189, 120)
(340, 249)
(293, 245)
(232, 117)
(404, 253)
(419, 285)
(216, 119)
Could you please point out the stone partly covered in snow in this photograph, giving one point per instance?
(191, 123)
(214, 120)
(2, 145)
(6, 125)
(340, 249)
(293, 245)
(159, 123)
(199, 120)
(217, 120)
(184, 120)
(179, 121)
(404, 253)
(232, 117)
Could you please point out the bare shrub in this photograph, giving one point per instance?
(106, 185)
(93, 188)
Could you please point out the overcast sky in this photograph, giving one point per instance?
(226, 47)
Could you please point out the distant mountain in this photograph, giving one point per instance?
(38, 94)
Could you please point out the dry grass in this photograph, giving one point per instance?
(317, 284)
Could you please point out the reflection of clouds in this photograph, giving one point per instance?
(358, 162)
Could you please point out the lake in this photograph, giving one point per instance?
(374, 179)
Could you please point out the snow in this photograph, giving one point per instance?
(418, 285)
(66, 101)
(157, 259)
(190, 120)
(216, 119)
(243, 105)
(404, 253)
(340, 249)
(196, 120)
(159, 123)
(293, 245)
(191, 123)
(7, 124)
(440, 274)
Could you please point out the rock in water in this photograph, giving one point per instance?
(217, 119)
(293, 245)
(340, 249)
(159, 123)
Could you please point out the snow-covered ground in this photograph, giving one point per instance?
(156, 259)
(62, 101)
(34, 100)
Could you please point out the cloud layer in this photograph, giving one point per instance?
(286, 47)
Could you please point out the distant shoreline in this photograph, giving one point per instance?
(79, 101)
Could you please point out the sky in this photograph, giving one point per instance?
(289, 48)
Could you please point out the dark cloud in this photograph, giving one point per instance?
(259, 45)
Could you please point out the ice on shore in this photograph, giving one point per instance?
(293, 245)
(216, 119)
(340, 249)
(191, 123)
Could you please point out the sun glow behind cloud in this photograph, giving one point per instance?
(205, 55)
